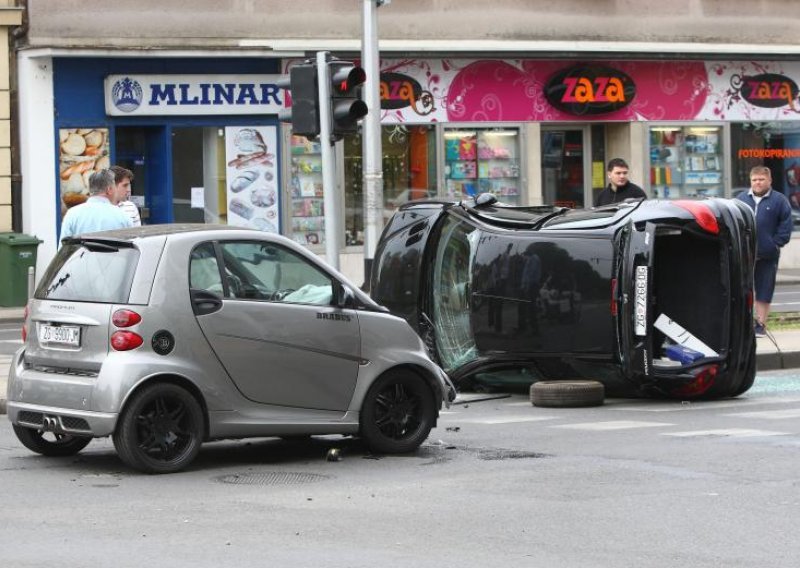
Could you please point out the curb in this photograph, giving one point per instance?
(2, 406)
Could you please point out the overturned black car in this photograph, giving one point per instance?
(652, 298)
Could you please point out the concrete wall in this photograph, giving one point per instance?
(134, 23)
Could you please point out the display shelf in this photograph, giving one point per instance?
(482, 160)
(307, 203)
(685, 161)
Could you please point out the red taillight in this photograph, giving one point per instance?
(125, 318)
(614, 297)
(749, 299)
(25, 324)
(125, 340)
(702, 214)
(703, 381)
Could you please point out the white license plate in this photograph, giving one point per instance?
(640, 301)
(60, 335)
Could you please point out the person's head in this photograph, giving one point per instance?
(617, 171)
(760, 179)
(102, 184)
(123, 178)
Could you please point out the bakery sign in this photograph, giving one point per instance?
(590, 90)
(147, 95)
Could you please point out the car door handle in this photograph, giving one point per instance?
(205, 302)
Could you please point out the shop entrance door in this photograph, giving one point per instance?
(142, 149)
(565, 163)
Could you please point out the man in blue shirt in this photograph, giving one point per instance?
(773, 230)
(100, 211)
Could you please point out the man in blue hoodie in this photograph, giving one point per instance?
(773, 230)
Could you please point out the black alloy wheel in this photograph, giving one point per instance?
(160, 430)
(398, 413)
(50, 444)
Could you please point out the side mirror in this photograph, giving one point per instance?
(343, 296)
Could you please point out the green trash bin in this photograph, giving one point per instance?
(17, 254)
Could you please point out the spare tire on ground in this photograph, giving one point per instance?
(567, 393)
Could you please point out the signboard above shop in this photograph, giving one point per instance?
(149, 95)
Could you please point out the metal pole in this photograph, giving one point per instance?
(330, 202)
(31, 278)
(372, 150)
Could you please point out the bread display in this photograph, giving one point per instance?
(83, 151)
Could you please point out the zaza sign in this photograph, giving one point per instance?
(589, 90)
(767, 90)
(139, 95)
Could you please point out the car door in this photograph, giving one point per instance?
(273, 324)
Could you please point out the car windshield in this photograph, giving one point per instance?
(453, 265)
(81, 274)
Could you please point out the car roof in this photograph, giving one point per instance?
(146, 231)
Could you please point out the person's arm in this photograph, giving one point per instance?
(783, 233)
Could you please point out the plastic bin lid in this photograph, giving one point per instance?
(18, 239)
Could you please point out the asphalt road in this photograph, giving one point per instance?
(787, 298)
(630, 484)
(10, 339)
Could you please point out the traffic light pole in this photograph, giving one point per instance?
(330, 200)
(372, 149)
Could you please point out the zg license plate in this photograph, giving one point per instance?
(640, 304)
(60, 335)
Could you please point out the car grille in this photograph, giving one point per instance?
(67, 423)
(62, 371)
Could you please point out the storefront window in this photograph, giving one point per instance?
(409, 172)
(307, 200)
(772, 144)
(686, 161)
(483, 160)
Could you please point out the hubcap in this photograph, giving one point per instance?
(397, 412)
(163, 428)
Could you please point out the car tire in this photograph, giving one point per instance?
(64, 444)
(398, 413)
(160, 430)
(567, 393)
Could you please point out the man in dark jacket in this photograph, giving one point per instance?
(619, 186)
(773, 230)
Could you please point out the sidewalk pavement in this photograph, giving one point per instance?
(782, 353)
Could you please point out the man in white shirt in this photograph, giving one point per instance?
(123, 178)
(100, 211)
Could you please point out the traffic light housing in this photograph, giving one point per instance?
(304, 112)
(346, 106)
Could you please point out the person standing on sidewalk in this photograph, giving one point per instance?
(773, 230)
(100, 211)
(619, 186)
(123, 178)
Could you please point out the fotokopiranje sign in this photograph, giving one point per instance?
(147, 95)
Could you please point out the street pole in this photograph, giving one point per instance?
(330, 201)
(372, 150)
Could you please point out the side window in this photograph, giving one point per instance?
(264, 271)
(203, 269)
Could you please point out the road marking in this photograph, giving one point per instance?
(508, 420)
(612, 425)
(17, 341)
(726, 433)
(770, 414)
(683, 406)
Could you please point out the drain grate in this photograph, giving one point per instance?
(509, 455)
(272, 478)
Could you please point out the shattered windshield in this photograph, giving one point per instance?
(452, 268)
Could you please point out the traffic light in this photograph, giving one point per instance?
(304, 113)
(346, 105)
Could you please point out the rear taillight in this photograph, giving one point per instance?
(125, 340)
(702, 213)
(702, 381)
(125, 318)
(749, 299)
(25, 324)
(614, 297)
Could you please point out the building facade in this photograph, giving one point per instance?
(526, 100)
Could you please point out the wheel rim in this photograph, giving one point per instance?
(398, 411)
(164, 428)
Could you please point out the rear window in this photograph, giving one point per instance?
(79, 274)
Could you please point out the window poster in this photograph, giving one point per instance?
(252, 177)
(82, 151)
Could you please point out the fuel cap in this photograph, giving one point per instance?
(163, 342)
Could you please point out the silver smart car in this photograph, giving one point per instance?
(167, 336)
